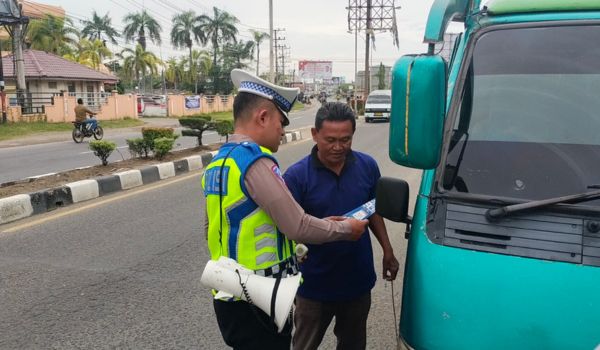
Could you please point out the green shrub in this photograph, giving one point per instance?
(197, 126)
(138, 147)
(151, 134)
(162, 146)
(103, 149)
(225, 128)
(200, 116)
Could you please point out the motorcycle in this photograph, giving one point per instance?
(82, 130)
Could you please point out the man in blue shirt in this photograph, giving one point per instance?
(338, 276)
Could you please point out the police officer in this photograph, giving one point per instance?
(248, 206)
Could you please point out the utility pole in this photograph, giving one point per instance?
(355, 67)
(370, 16)
(271, 54)
(276, 45)
(19, 62)
(367, 87)
(284, 52)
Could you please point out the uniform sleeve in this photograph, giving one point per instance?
(267, 188)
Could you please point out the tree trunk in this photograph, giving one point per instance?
(215, 47)
(257, 57)
(142, 39)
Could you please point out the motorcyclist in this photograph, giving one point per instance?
(81, 113)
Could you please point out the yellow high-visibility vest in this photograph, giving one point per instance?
(237, 227)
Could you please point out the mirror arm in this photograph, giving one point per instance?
(408, 222)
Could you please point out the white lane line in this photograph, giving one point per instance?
(40, 176)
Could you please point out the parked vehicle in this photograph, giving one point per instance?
(83, 130)
(141, 105)
(378, 106)
(504, 241)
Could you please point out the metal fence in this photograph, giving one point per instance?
(93, 100)
(32, 103)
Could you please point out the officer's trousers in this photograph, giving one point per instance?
(243, 328)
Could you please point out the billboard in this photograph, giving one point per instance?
(315, 69)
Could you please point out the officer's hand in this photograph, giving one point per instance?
(358, 228)
(336, 218)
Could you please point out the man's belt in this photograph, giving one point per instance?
(285, 268)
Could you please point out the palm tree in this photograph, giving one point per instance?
(139, 61)
(186, 30)
(219, 29)
(138, 25)
(258, 39)
(94, 51)
(89, 53)
(201, 66)
(98, 28)
(235, 53)
(174, 72)
(53, 34)
(204, 63)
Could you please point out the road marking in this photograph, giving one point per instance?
(93, 151)
(125, 194)
(40, 176)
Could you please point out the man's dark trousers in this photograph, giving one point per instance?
(243, 328)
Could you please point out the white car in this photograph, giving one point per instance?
(378, 106)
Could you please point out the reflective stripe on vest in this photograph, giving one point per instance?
(248, 234)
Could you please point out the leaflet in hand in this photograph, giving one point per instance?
(363, 212)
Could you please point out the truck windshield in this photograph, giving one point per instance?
(528, 123)
(379, 99)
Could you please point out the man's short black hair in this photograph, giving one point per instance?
(335, 111)
(243, 102)
(80, 101)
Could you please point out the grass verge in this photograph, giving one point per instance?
(14, 130)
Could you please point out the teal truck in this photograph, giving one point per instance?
(504, 241)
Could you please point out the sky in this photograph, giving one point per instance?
(314, 29)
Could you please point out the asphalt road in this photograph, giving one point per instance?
(63, 154)
(123, 271)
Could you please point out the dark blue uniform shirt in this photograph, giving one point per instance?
(343, 270)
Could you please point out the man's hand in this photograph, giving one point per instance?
(358, 228)
(390, 267)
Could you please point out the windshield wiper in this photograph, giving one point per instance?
(499, 213)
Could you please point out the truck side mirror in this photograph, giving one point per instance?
(392, 199)
(418, 109)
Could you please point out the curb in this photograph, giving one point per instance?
(21, 206)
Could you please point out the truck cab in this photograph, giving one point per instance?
(504, 240)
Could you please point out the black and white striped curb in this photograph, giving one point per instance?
(24, 205)
(291, 136)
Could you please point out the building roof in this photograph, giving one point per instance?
(46, 66)
(36, 10)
